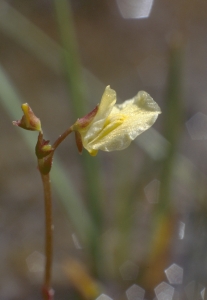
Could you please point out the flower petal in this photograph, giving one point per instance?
(126, 122)
(104, 109)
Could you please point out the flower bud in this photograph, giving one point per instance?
(28, 121)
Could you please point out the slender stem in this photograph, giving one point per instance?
(47, 290)
(62, 137)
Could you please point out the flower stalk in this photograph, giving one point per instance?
(44, 153)
(47, 289)
(61, 138)
(108, 127)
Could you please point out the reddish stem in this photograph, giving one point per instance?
(47, 290)
(62, 137)
(47, 293)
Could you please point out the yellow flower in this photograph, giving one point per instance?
(111, 127)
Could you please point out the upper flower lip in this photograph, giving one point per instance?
(113, 127)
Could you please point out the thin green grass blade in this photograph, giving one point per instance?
(29, 36)
(172, 123)
(78, 101)
(163, 216)
(70, 58)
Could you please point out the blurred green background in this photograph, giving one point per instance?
(130, 224)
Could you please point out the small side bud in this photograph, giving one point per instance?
(43, 148)
(29, 121)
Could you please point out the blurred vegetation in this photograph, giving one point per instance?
(106, 242)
